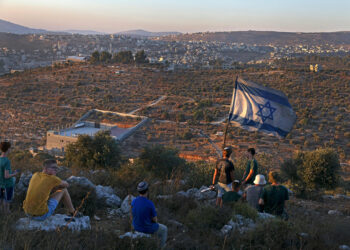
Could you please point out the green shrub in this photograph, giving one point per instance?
(161, 161)
(199, 174)
(244, 209)
(207, 217)
(313, 169)
(274, 234)
(100, 151)
(78, 193)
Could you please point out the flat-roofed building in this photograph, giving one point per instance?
(57, 141)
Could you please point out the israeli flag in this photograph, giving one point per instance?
(258, 108)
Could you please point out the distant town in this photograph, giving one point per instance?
(174, 54)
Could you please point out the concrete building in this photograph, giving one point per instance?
(56, 141)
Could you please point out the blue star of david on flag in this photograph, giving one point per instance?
(259, 108)
(265, 111)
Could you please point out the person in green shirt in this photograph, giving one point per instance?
(273, 197)
(232, 196)
(251, 169)
(7, 179)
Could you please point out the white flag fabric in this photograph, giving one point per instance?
(258, 108)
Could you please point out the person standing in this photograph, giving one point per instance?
(224, 170)
(274, 196)
(253, 193)
(7, 178)
(144, 215)
(251, 168)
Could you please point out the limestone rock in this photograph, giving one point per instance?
(239, 223)
(335, 212)
(265, 216)
(182, 193)
(226, 229)
(106, 193)
(192, 192)
(125, 207)
(342, 196)
(82, 181)
(165, 197)
(115, 212)
(53, 222)
(23, 182)
(175, 223)
(135, 235)
(208, 194)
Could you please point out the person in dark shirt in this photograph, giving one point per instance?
(274, 196)
(251, 169)
(224, 171)
(232, 196)
(144, 215)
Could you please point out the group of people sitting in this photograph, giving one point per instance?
(46, 190)
(253, 188)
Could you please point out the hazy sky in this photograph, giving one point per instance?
(179, 15)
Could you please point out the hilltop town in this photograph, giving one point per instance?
(19, 52)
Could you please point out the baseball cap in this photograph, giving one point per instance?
(228, 149)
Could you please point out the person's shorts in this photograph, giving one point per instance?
(7, 194)
(223, 188)
(52, 204)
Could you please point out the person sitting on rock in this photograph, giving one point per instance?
(7, 179)
(45, 191)
(274, 196)
(232, 196)
(253, 193)
(144, 215)
(225, 171)
(251, 168)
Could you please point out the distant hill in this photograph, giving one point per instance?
(266, 37)
(84, 32)
(8, 27)
(145, 33)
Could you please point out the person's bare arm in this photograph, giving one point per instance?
(249, 175)
(63, 184)
(154, 219)
(8, 175)
(214, 178)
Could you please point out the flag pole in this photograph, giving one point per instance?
(228, 120)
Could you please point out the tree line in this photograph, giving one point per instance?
(125, 57)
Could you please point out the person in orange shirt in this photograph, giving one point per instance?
(44, 193)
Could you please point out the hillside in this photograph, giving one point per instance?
(145, 33)
(183, 107)
(8, 27)
(266, 37)
(184, 119)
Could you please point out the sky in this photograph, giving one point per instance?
(179, 15)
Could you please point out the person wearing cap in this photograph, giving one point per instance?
(273, 196)
(233, 195)
(144, 215)
(251, 168)
(253, 193)
(224, 170)
(45, 191)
